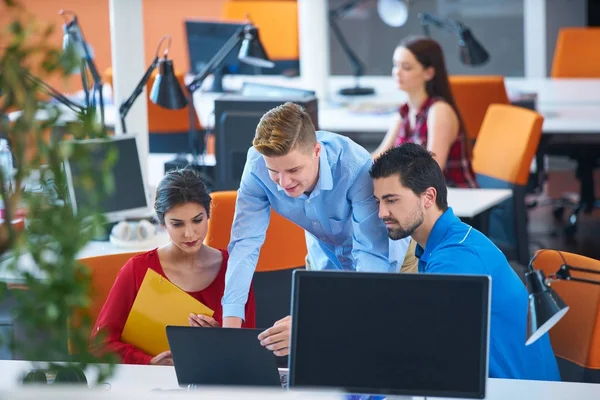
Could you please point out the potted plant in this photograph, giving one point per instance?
(40, 254)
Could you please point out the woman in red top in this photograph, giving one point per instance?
(182, 206)
(430, 117)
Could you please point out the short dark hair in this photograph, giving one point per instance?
(178, 187)
(417, 169)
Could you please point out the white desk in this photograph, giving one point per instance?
(468, 203)
(141, 379)
(570, 105)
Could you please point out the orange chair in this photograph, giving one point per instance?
(574, 56)
(507, 142)
(284, 246)
(283, 251)
(104, 270)
(576, 337)
(163, 123)
(277, 21)
(473, 94)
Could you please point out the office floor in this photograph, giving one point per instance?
(546, 232)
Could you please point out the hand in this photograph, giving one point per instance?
(232, 322)
(277, 338)
(164, 358)
(203, 321)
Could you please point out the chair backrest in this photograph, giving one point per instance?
(576, 337)
(284, 246)
(104, 270)
(473, 95)
(277, 21)
(575, 55)
(507, 142)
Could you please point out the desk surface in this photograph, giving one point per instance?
(569, 105)
(144, 378)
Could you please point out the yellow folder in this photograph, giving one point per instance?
(158, 303)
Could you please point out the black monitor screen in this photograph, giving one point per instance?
(129, 195)
(206, 38)
(376, 333)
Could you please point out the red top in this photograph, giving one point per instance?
(458, 171)
(120, 299)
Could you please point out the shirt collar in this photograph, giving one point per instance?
(325, 181)
(437, 233)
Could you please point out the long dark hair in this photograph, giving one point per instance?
(429, 54)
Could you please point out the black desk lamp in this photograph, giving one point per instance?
(546, 308)
(251, 52)
(74, 39)
(166, 91)
(55, 94)
(392, 12)
(470, 51)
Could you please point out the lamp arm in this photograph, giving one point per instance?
(357, 64)
(564, 273)
(127, 104)
(88, 58)
(215, 62)
(49, 90)
(449, 25)
(339, 12)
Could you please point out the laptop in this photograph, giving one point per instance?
(390, 334)
(221, 357)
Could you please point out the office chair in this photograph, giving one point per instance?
(473, 95)
(502, 155)
(283, 251)
(574, 59)
(576, 337)
(103, 270)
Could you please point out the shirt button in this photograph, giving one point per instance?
(307, 201)
(314, 224)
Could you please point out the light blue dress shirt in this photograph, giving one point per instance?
(340, 218)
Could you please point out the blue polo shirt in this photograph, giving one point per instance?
(454, 247)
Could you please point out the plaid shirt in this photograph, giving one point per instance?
(458, 171)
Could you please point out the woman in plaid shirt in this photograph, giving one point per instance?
(430, 117)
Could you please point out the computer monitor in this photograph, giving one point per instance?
(253, 89)
(389, 333)
(130, 198)
(236, 118)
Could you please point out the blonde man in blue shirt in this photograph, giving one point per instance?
(318, 180)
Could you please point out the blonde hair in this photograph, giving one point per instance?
(283, 129)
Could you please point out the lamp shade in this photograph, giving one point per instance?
(393, 12)
(252, 51)
(546, 308)
(166, 91)
(471, 52)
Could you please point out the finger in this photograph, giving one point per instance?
(164, 354)
(274, 330)
(278, 344)
(198, 321)
(282, 320)
(276, 338)
(210, 321)
(282, 352)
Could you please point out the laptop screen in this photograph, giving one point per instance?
(377, 333)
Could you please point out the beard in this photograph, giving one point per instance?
(401, 232)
